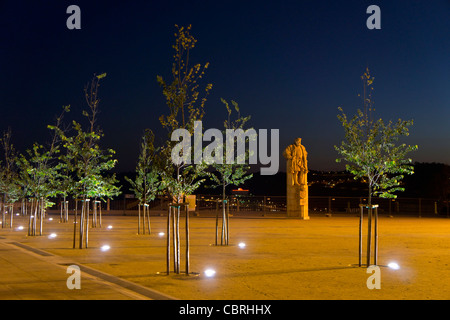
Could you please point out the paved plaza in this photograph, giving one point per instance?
(283, 259)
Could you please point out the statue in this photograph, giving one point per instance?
(297, 163)
(297, 182)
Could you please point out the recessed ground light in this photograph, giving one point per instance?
(210, 273)
(394, 265)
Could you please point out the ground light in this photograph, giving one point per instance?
(109, 227)
(105, 248)
(20, 228)
(210, 273)
(394, 265)
(50, 219)
(52, 235)
(161, 234)
(241, 245)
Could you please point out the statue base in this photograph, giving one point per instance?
(297, 200)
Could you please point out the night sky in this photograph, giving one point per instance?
(289, 64)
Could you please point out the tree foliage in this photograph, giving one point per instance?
(147, 183)
(372, 148)
(226, 174)
(185, 107)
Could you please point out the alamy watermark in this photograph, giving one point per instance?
(229, 148)
(374, 280)
(74, 280)
(374, 21)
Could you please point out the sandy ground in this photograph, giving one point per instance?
(283, 258)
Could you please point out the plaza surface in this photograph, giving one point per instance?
(283, 259)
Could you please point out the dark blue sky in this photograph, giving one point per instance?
(289, 64)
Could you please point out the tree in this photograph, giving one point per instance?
(146, 184)
(38, 174)
(226, 174)
(372, 150)
(185, 108)
(9, 183)
(88, 163)
(63, 179)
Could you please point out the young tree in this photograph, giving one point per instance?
(38, 173)
(226, 174)
(372, 150)
(181, 178)
(185, 108)
(146, 184)
(9, 183)
(88, 162)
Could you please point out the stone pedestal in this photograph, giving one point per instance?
(297, 199)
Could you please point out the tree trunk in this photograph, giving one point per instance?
(369, 227)
(224, 239)
(36, 208)
(187, 240)
(174, 232)
(81, 232)
(75, 222)
(144, 220)
(66, 207)
(360, 232)
(228, 221)
(139, 218)
(375, 249)
(87, 223)
(100, 214)
(146, 207)
(178, 240)
(94, 213)
(168, 240)
(217, 223)
(41, 217)
(30, 218)
(11, 214)
(3, 212)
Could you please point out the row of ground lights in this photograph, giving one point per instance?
(208, 272)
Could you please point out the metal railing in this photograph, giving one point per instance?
(277, 204)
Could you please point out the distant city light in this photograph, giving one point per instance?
(50, 219)
(17, 214)
(105, 248)
(210, 273)
(394, 266)
(20, 228)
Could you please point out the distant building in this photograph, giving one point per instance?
(240, 191)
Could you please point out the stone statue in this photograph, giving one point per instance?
(297, 164)
(297, 182)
